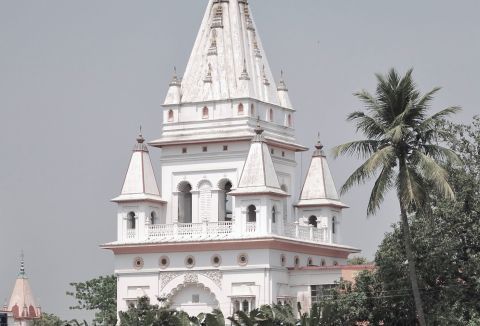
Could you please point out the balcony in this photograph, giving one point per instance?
(228, 230)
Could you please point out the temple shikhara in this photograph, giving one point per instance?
(226, 226)
(21, 309)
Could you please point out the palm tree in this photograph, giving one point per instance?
(401, 152)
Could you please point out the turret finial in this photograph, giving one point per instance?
(140, 138)
(319, 147)
(258, 129)
(175, 81)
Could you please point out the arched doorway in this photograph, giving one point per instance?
(193, 298)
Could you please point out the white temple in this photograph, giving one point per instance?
(225, 228)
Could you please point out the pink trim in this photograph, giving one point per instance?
(338, 267)
(266, 243)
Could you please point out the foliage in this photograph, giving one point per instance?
(210, 319)
(357, 261)
(48, 320)
(446, 241)
(145, 314)
(266, 315)
(98, 294)
(401, 153)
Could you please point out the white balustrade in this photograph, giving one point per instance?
(251, 227)
(131, 234)
(225, 230)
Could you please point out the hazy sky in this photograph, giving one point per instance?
(77, 78)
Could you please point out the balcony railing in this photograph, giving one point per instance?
(226, 230)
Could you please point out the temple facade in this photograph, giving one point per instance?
(225, 227)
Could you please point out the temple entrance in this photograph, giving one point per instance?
(194, 299)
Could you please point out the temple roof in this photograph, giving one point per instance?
(258, 174)
(319, 187)
(140, 182)
(22, 303)
(228, 60)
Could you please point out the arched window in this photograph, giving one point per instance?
(185, 202)
(153, 217)
(131, 220)
(334, 221)
(236, 306)
(240, 109)
(252, 110)
(289, 120)
(270, 115)
(225, 200)
(252, 213)
(170, 116)
(312, 220)
(245, 306)
(205, 113)
(274, 214)
(309, 261)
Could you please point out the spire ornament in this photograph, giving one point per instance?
(244, 75)
(175, 81)
(208, 79)
(281, 85)
(22, 265)
(265, 79)
(319, 148)
(140, 145)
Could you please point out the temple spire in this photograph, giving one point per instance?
(319, 188)
(229, 40)
(258, 175)
(140, 182)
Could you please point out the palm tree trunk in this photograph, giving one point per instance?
(407, 241)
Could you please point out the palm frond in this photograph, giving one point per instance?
(358, 148)
(379, 159)
(369, 126)
(443, 154)
(382, 185)
(434, 173)
(410, 187)
(430, 122)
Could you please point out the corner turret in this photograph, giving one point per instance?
(140, 202)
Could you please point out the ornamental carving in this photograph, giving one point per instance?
(166, 277)
(191, 277)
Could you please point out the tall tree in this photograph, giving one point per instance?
(99, 294)
(401, 152)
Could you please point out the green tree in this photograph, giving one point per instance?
(98, 294)
(146, 314)
(357, 261)
(401, 152)
(49, 320)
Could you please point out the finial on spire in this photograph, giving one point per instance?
(140, 138)
(175, 81)
(319, 147)
(258, 130)
(22, 264)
